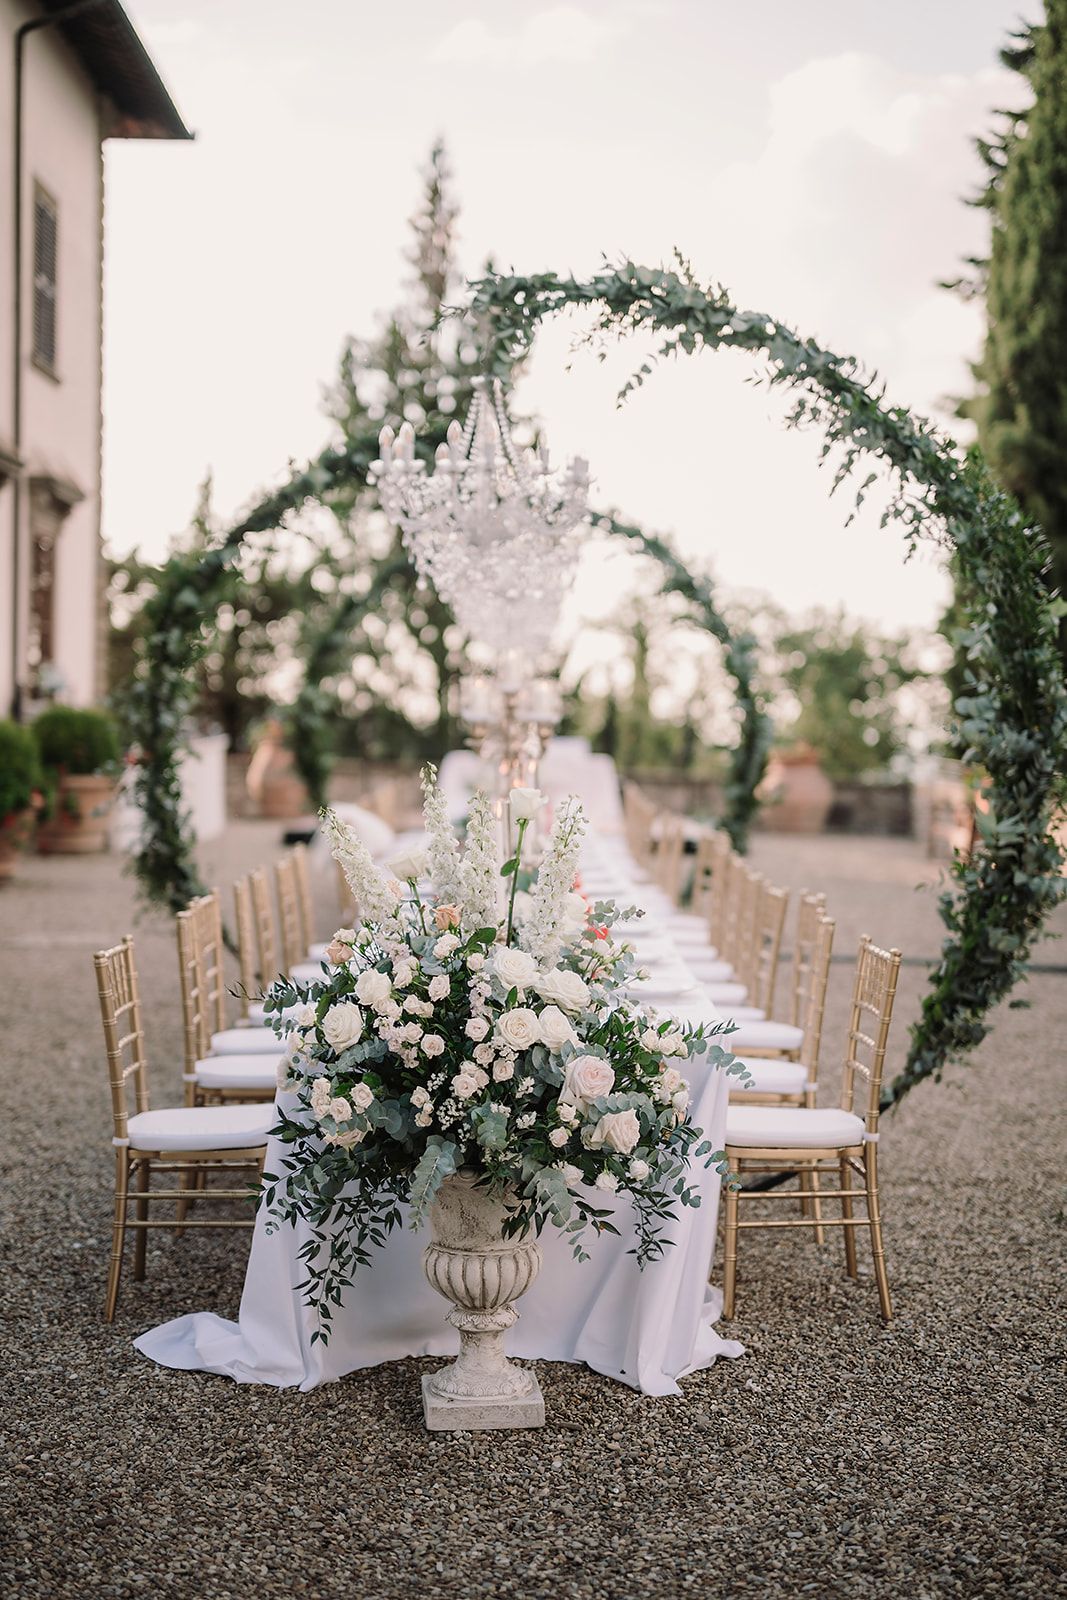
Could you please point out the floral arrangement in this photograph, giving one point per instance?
(460, 1027)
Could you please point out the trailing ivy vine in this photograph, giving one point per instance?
(1013, 713)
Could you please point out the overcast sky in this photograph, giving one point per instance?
(811, 155)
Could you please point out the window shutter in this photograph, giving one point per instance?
(45, 232)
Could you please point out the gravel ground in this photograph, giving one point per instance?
(838, 1458)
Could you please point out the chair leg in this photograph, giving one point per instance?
(875, 1220)
(140, 1246)
(846, 1211)
(118, 1234)
(729, 1273)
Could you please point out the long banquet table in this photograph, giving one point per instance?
(646, 1328)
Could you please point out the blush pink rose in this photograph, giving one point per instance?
(587, 1077)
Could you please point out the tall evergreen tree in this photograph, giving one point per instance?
(1021, 406)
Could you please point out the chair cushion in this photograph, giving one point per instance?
(239, 1072)
(741, 1014)
(726, 994)
(791, 1128)
(245, 1042)
(317, 952)
(306, 972)
(202, 1127)
(767, 1036)
(707, 970)
(772, 1077)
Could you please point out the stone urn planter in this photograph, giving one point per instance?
(796, 793)
(79, 821)
(470, 1263)
(274, 786)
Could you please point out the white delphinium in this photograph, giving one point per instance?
(480, 867)
(442, 852)
(544, 931)
(376, 901)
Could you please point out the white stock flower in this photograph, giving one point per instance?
(369, 886)
(342, 1025)
(562, 988)
(442, 855)
(518, 1028)
(433, 1044)
(525, 804)
(556, 1030)
(514, 968)
(575, 914)
(373, 988)
(479, 871)
(607, 1180)
(543, 933)
(559, 1136)
(619, 1130)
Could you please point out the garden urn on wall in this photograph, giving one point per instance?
(796, 793)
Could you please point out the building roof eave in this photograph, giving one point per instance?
(108, 46)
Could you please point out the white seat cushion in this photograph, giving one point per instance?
(307, 972)
(791, 1128)
(317, 952)
(741, 1014)
(726, 994)
(772, 1077)
(245, 1042)
(202, 1127)
(257, 1014)
(767, 1036)
(239, 1072)
(707, 970)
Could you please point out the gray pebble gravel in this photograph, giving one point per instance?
(838, 1458)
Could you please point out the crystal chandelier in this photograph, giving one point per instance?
(491, 528)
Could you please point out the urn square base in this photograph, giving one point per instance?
(444, 1414)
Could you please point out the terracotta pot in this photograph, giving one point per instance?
(273, 787)
(797, 793)
(16, 832)
(79, 824)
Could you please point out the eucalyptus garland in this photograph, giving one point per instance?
(1013, 713)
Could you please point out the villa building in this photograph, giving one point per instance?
(78, 74)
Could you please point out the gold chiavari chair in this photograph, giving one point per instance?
(220, 1063)
(639, 816)
(180, 1141)
(670, 853)
(313, 950)
(839, 1143)
(740, 941)
(762, 970)
(765, 1036)
(784, 1078)
(252, 1013)
(291, 924)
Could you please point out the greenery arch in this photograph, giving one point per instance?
(1013, 713)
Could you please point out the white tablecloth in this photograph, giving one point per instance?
(646, 1328)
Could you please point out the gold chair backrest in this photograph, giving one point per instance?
(746, 926)
(874, 988)
(770, 920)
(810, 914)
(302, 881)
(201, 975)
(670, 849)
(245, 922)
(724, 929)
(639, 814)
(266, 938)
(815, 995)
(713, 847)
(120, 1012)
(288, 913)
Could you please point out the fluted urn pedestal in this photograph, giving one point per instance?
(469, 1263)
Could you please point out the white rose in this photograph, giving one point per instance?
(670, 1081)
(638, 1171)
(572, 1176)
(514, 968)
(419, 1097)
(433, 1044)
(476, 961)
(607, 1180)
(446, 945)
(408, 864)
(340, 1109)
(305, 1017)
(362, 1096)
(673, 1043)
(477, 1028)
(562, 988)
(518, 1028)
(404, 971)
(342, 1025)
(503, 1070)
(439, 987)
(464, 1084)
(587, 1077)
(680, 1101)
(619, 1130)
(525, 803)
(567, 1112)
(424, 1119)
(556, 1031)
(559, 1136)
(347, 1140)
(296, 1044)
(373, 988)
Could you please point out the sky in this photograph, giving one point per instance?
(813, 157)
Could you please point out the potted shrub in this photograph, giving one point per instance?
(20, 792)
(79, 751)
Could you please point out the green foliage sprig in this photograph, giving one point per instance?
(1014, 709)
